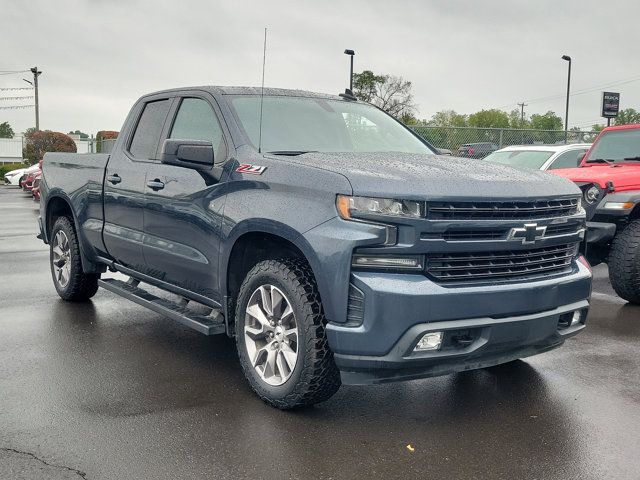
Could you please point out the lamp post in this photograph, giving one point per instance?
(351, 53)
(566, 112)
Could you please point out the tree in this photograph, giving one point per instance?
(82, 135)
(548, 121)
(627, 116)
(390, 93)
(493, 118)
(5, 130)
(37, 143)
(448, 118)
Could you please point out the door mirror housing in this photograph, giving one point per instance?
(187, 153)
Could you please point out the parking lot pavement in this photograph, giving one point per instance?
(107, 390)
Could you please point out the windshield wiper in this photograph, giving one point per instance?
(602, 160)
(632, 159)
(291, 153)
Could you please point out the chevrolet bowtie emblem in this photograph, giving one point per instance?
(527, 234)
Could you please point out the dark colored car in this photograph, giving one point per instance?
(325, 236)
(476, 150)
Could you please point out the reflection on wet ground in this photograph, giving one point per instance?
(110, 389)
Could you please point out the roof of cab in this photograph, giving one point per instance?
(231, 90)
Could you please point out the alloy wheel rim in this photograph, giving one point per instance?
(61, 260)
(271, 335)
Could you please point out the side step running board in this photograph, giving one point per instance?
(202, 323)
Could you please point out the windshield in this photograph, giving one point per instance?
(520, 158)
(292, 125)
(617, 146)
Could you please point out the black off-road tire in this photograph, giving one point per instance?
(624, 263)
(82, 286)
(315, 378)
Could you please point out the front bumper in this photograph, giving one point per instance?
(600, 233)
(503, 322)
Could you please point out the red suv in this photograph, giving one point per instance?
(609, 177)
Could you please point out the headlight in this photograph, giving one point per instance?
(591, 195)
(618, 205)
(352, 207)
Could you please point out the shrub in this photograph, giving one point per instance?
(37, 143)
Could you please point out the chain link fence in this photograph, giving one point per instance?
(451, 138)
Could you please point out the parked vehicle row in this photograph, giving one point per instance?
(330, 240)
(28, 179)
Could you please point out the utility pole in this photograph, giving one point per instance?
(566, 112)
(522, 105)
(36, 74)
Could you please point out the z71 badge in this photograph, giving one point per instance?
(252, 169)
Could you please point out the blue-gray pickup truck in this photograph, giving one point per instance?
(331, 241)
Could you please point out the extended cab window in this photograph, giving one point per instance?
(147, 135)
(196, 120)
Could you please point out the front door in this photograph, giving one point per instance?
(124, 185)
(183, 212)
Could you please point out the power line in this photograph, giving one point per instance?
(15, 88)
(16, 98)
(16, 106)
(12, 72)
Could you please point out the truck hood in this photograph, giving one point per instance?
(622, 176)
(424, 177)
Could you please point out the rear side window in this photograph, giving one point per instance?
(568, 159)
(196, 120)
(147, 135)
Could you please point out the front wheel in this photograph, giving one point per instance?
(624, 263)
(280, 336)
(66, 266)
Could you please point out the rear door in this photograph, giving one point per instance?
(183, 211)
(124, 185)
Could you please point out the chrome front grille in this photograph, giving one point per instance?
(527, 210)
(502, 265)
(484, 234)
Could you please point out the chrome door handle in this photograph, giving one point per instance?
(115, 178)
(155, 185)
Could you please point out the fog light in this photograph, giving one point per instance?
(429, 341)
(577, 316)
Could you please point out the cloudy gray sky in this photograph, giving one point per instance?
(99, 56)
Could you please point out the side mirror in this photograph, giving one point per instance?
(187, 153)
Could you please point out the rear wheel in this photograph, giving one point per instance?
(66, 267)
(624, 263)
(280, 336)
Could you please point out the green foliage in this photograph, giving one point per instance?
(7, 167)
(37, 143)
(597, 128)
(627, 117)
(448, 118)
(5, 130)
(82, 135)
(391, 94)
(548, 121)
(493, 118)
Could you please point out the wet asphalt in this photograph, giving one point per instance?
(109, 390)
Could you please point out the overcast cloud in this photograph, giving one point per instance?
(98, 57)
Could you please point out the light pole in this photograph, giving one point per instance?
(566, 112)
(351, 53)
(36, 74)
